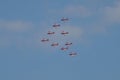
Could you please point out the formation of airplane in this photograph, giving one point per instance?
(66, 45)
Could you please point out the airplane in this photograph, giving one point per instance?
(64, 19)
(68, 43)
(44, 40)
(72, 54)
(49, 33)
(63, 32)
(64, 48)
(56, 25)
(54, 44)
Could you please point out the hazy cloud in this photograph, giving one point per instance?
(16, 26)
(77, 10)
(15, 33)
(112, 13)
(107, 16)
(104, 18)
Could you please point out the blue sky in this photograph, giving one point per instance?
(94, 30)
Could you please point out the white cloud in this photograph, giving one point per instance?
(33, 37)
(77, 10)
(15, 33)
(112, 13)
(105, 17)
(16, 26)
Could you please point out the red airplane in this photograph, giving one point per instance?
(72, 54)
(63, 32)
(64, 48)
(64, 19)
(49, 33)
(54, 44)
(56, 25)
(68, 43)
(44, 40)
